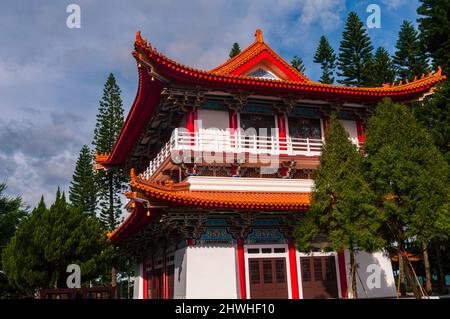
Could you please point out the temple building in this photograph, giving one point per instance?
(220, 166)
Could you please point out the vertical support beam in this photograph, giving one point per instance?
(293, 269)
(241, 268)
(281, 123)
(342, 273)
(326, 125)
(153, 279)
(144, 279)
(360, 131)
(233, 123)
(191, 117)
(165, 287)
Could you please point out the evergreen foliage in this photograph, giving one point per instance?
(235, 50)
(297, 63)
(410, 58)
(354, 51)
(326, 57)
(83, 190)
(380, 69)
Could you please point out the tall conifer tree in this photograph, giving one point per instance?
(410, 58)
(342, 207)
(82, 191)
(354, 51)
(111, 183)
(326, 57)
(235, 50)
(434, 23)
(297, 63)
(380, 70)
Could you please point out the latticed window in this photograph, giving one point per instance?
(261, 73)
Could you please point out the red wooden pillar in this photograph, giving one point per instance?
(360, 131)
(233, 123)
(191, 117)
(326, 124)
(153, 281)
(293, 269)
(165, 288)
(144, 278)
(281, 122)
(241, 268)
(342, 273)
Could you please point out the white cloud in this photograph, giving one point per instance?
(326, 13)
(394, 4)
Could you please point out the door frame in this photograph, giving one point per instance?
(317, 254)
(261, 255)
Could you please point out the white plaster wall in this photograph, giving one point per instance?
(138, 282)
(179, 290)
(387, 282)
(350, 128)
(211, 272)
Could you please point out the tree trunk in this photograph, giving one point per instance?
(401, 273)
(113, 277)
(426, 261)
(440, 272)
(410, 278)
(353, 273)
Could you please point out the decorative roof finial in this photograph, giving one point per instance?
(259, 36)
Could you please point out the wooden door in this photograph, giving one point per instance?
(319, 277)
(268, 278)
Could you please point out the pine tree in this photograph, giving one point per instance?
(50, 239)
(410, 180)
(380, 70)
(327, 58)
(82, 191)
(434, 23)
(354, 50)
(110, 183)
(297, 63)
(342, 207)
(235, 50)
(410, 58)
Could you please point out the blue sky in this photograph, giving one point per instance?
(51, 77)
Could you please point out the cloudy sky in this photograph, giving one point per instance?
(51, 77)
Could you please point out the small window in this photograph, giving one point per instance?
(266, 250)
(261, 73)
(253, 250)
(279, 250)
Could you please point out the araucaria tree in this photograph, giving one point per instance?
(235, 50)
(434, 23)
(83, 190)
(409, 177)
(342, 208)
(326, 57)
(297, 63)
(48, 241)
(111, 183)
(381, 70)
(354, 52)
(410, 58)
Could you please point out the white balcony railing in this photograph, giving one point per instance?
(224, 142)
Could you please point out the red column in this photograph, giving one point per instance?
(153, 292)
(360, 131)
(144, 277)
(293, 269)
(281, 121)
(191, 117)
(342, 273)
(241, 268)
(165, 287)
(326, 124)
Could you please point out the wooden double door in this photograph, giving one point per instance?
(319, 278)
(268, 278)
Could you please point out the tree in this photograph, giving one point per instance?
(410, 180)
(110, 183)
(297, 63)
(380, 70)
(410, 58)
(48, 241)
(434, 24)
(12, 212)
(342, 207)
(83, 190)
(327, 58)
(354, 50)
(235, 50)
